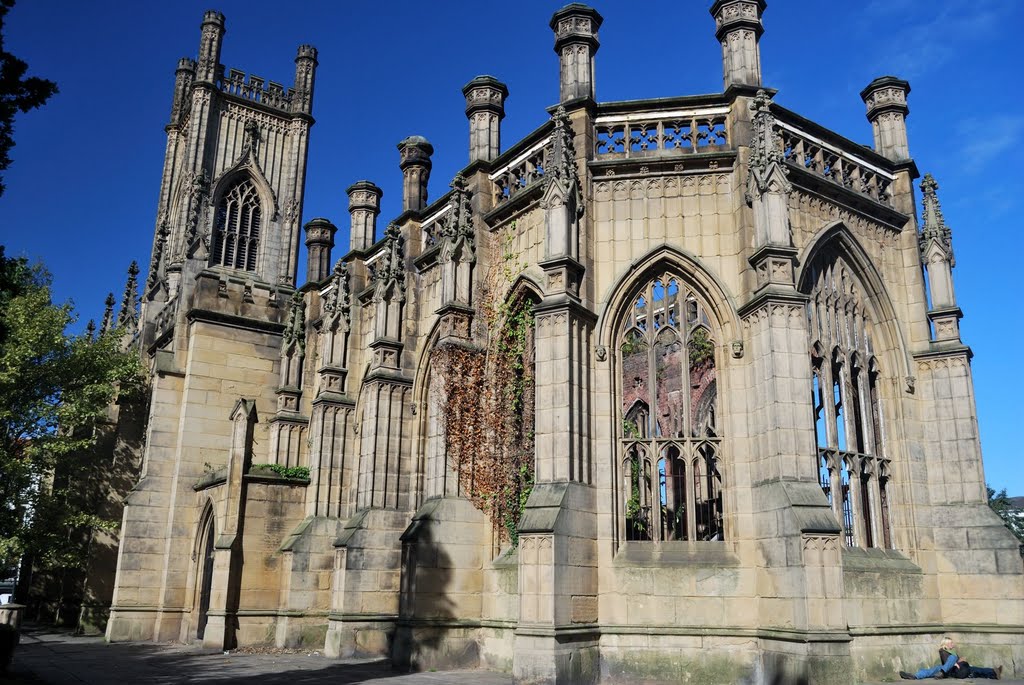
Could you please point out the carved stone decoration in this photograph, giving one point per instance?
(457, 226)
(601, 352)
(251, 138)
(934, 227)
(108, 314)
(767, 172)
(128, 316)
(768, 187)
(337, 303)
(198, 185)
(293, 350)
(389, 269)
(158, 253)
(563, 160)
(294, 336)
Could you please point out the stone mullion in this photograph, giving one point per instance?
(689, 458)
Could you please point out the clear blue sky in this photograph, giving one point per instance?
(81, 193)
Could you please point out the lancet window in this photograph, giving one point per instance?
(851, 463)
(670, 440)
(236, 228)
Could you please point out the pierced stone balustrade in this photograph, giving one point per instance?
(521, 173)
(805, 151)
(431, 226)
(272, 95)
(643, 135)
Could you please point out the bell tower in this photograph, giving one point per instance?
(222, 327)
(234, 170)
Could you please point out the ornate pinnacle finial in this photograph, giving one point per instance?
(457, 227)
(158, 254)
(128, 314)
(338, 301)
(90, 329)
(295, 331)
(108, 313)
(563, 156)
(934, 226)
(765, 148)
(767, 170)
(390, 268)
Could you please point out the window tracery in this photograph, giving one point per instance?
(851, 462)
(236, 229)
(670, 439)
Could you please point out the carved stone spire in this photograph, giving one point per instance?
(211, 38)
(767, 194)
(294, 336)
(934, 226)
(305, 76)
(90, 329)
(563, 152)
(936, 245)
(458, 246)
(562, 200)
(108, 314)
(458, 225)
(158, 255)
(128, 315)
(766, 159)
(390, 267)
(338, 300)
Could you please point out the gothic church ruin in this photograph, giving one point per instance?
(667, 388)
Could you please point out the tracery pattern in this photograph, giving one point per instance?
(670, 440)
(236, 230)
(852, 467)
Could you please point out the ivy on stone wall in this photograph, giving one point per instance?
(488, 403)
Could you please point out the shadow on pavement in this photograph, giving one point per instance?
(59, 658)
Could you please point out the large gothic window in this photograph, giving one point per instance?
(851, 462)
(670, 436)
(236, 228)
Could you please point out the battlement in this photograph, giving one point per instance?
(255, 89)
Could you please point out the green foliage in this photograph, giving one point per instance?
(634, 512)
(295, 472)
(56, 393)
(1012, 517)
(488, 400)
(17, 93)
(701, 348)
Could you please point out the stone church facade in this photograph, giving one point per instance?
(753, 429)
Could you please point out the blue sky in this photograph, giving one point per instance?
(81, 193)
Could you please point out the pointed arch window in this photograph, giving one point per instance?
(846, 406)
(236, 227)
(670, 438)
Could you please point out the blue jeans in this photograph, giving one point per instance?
(934, 670)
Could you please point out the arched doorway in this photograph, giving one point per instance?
(205, 568)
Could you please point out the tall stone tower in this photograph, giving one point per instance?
(221, 277)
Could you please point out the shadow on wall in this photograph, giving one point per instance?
(426, 637)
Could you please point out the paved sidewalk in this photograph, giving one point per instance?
(56, 658)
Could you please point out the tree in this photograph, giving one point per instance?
(1012, 516)
(56, 389)
(17, 93)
